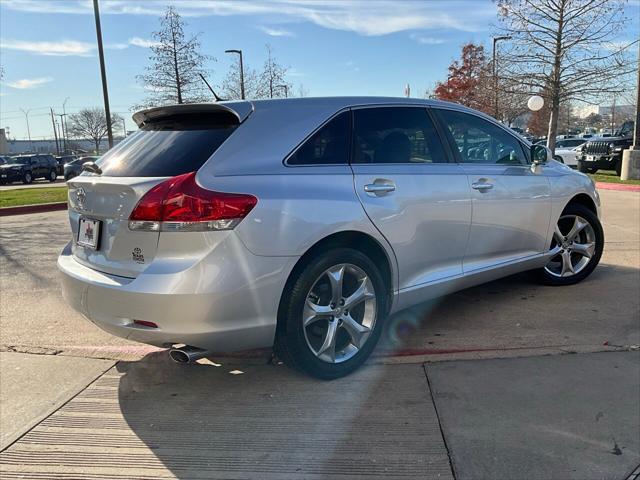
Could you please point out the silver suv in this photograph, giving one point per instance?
(303, 223)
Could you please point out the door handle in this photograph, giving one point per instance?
(379, 188)
(482, 186)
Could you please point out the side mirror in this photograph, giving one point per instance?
(539, 156)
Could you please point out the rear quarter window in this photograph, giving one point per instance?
(169, 147)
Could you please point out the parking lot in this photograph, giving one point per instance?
(478, 384)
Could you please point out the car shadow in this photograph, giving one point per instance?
(268, 421)
(240, 420)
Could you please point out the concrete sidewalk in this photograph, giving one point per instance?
(554, 417)
(155, 419)
(34, 386)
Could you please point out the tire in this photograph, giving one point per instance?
(584, 169)
(302, 347)
(590, 239)
(27, 178)
(558, 158)
(53, 176)
(619, 167)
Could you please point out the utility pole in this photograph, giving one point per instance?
(495, 74)
(103, 73)
(239, 52)
(55, 134)
(26, 116)
(64, 124)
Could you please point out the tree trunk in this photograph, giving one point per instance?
(97, 145)
(175, 62)
(555, 83)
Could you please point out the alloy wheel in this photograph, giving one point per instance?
(572, 247)
(339, 313)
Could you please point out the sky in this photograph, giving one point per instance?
(346, 47)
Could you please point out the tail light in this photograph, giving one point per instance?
(180, 204)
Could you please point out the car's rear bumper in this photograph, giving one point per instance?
(228, 302)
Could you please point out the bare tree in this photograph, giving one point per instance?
(564, 50)
(272, 79)
(176, 64)
(302, 91)
(90, 123)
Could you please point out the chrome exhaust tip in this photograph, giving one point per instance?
(187, 354)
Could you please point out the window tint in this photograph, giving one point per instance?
(479, 141)
(395, 135)
(168, 147)
(329, 145)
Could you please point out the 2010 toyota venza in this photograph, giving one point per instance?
(303, 223)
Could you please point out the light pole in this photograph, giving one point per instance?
(239, 52)
(26, 116)
(103, 73)
(63, 128)
(286, 89)
(63, 122)
(631, 157)
(495, 74)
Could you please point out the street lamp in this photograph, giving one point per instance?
(495, 74)
(26, 116)
(239, 52)
(286, 89)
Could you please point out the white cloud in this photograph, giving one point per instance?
(277, 32)
(29, 83)
(426, 40)
(117, 46)
(142, 42)
(55, 48)
(364, 17)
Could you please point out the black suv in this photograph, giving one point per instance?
(27, 168)
(606, 153)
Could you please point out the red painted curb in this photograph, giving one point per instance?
(617, 186)
(38, 208)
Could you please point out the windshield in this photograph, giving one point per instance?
(167, 148)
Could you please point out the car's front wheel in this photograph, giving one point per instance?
(576, 247)
(53, 176)
(27, 178)
(331, 314)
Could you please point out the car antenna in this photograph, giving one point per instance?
(218, 99)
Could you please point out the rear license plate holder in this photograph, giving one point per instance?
(89, 233)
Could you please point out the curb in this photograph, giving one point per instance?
(38, 208)
(617, 186)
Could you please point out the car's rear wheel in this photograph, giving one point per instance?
(27, 178)
(331, 314)
(576, 247)
(53, 176)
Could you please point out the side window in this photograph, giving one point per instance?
(479, 141)
(328, 146)
(395, 135)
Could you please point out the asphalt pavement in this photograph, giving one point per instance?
(427, 406)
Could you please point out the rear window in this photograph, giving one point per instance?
(169, 147)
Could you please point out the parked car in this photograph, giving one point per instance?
(27, 168)
(62, 160)
(4, 159)
(303, 223)
(568, 150)
(74, 167)
(605, 153)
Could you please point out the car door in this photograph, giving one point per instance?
(411, 192)
(511, 204)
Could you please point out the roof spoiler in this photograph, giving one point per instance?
(241, 110)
